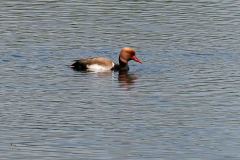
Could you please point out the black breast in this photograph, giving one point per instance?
(118, 67)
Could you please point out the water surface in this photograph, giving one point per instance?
(181, 103)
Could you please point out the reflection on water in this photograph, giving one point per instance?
(125, 79)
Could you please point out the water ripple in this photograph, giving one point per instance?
(181, 103)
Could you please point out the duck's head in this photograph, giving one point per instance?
(127, 54)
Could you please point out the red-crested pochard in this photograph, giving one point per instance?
(105, 64)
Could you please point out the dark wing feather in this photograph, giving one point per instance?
(80, 65)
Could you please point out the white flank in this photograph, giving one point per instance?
(98, 68)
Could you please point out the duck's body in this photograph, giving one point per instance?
(105, 64)
(93, 64)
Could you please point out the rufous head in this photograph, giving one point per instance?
(128, 54)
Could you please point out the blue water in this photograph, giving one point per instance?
(181, 103)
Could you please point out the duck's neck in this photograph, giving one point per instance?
(123, 64)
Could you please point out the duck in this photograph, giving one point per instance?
(99, 64)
